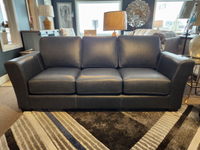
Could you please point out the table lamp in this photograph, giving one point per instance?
(194, 45)
(158, 24)
(115, 20)
(47, 11)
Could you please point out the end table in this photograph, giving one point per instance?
(194, 84)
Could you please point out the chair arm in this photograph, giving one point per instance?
(177, 69)
(171, 44)
(20, 70)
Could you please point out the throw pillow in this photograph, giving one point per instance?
(67, 32)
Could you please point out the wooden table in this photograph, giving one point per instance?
(194, 84)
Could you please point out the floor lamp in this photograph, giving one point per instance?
(189, 8)
(194, 46)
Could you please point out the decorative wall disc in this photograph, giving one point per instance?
(138, 13)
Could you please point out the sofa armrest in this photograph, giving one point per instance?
(171, 44)
(20, 70)
(177, 69)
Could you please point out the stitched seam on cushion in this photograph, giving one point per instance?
(51, 92)
(75, 101)
(142, 92)
(159, 61)
(152, 67)
(26, 83)
(53, 80)
(39, 62)
(177, 70)
(121, 98)
(98, 92)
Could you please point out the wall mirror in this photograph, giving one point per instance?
(9, 32)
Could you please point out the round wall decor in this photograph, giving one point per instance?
(138, 13)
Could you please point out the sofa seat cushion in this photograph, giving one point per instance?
(99, 81)
(144, 81)
(54, 81)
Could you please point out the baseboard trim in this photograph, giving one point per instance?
(4, 79)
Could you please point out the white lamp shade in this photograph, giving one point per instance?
(158, 23)
(46, 10)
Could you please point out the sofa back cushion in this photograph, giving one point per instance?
(61, 51)
(140, 31)
(165, 34)
(99, 52)
(138, 51)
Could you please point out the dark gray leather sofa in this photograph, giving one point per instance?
(128, 72)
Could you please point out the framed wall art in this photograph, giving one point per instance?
(138, 13)
(64, 15)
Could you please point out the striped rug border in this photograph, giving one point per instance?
(160, 130)
(55, 135)
(11, 140)
(78, 131)
(67, 134)
(30, 132)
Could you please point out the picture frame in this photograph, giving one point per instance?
(64, 15)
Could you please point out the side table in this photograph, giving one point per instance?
(194, 84)
(26, 52)
(31, 38)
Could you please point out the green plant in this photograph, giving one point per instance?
(4, 25)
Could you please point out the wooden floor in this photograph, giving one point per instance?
(8, 83)
(9, 111)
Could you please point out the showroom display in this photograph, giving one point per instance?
(128, 72)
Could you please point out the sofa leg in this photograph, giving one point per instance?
(173, 109)
(25, 110)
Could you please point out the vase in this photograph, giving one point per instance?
(4, 37)
(194, 47)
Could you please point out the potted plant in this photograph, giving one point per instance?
(4, 33)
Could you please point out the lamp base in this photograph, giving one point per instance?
(194, 47)
(47, 24)
(115, 34)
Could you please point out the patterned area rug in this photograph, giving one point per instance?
(115, 130)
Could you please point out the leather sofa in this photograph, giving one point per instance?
(169, 40)
(128, 72)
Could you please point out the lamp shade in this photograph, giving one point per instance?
(46, 10)
(115, 20)
(158, 23)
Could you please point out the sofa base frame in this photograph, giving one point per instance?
(124, 102)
